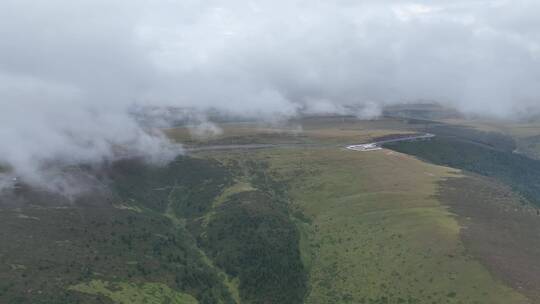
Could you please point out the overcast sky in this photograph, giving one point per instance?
(69, 70)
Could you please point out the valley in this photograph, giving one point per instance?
(261, 214)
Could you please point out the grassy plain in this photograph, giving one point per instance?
(316, 130)
(311, 223)
(373, 226)
(130, 293)
(376, 233)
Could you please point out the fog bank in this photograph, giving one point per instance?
(72, 71)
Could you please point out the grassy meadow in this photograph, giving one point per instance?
(374, 231)
(306, 221)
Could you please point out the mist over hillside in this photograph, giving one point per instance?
(269, 151)
(72, 73)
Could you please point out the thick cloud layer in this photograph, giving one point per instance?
(71, 70)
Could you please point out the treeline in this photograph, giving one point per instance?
(493, 158)
(251, 236)
(493, 140)
(188, 185)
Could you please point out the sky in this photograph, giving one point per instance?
(70, 71)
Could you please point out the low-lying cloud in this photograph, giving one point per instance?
(72, 71)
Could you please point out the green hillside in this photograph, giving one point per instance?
(306, 221)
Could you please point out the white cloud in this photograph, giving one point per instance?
(71, 70)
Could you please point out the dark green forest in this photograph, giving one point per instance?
(156, 235)
(484, 153)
